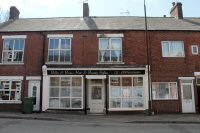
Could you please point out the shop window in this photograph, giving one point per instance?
(110, 50)
(126, 92)
(66, 93)
(10, 90)
(13, 50)
(173, 49)
(195, 50)
(59, 50)
(164, 90)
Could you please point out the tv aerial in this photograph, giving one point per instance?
(126, 12)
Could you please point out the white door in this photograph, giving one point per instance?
(187, 92)
(34, 91)
(96, 95)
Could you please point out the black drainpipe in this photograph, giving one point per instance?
(24, 82)
(43, 63)
(106, 93)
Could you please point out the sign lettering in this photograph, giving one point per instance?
(95, 72)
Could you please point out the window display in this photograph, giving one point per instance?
(126, 92)
(66, 92)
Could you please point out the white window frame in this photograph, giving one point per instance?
(110, 40)
(121, 97)
(195, 46)
(14, 38)
(11, 89)
(70, 97)
(60, 37)
(197, 78)
(169, 91)
(171, 43)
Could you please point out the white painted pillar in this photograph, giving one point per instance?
(45, 87)
(146, 90)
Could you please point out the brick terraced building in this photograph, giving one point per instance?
(99, 64)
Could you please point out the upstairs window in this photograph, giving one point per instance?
(59, 50)
(110, 49)
(195, 49)
(173, 49)
(13, 50)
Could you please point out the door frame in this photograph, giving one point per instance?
(89, 86)
(198, 96)
(192, 91)
(38, 95)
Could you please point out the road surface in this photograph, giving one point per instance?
(51, 126)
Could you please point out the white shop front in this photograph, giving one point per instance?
(95, 90)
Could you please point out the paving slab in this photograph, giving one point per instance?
(136, 118)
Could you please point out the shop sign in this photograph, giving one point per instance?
(95, 72)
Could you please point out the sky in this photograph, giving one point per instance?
(73, 8)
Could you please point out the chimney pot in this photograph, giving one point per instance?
(14, 13)
(176, 10)
(86, 10)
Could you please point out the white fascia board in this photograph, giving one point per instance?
(186, 78)
(11, 77)
(60, 35)
(13, 36)
(110, 35)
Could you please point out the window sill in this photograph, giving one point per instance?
(10, 102)
(58, 63)
(173, 56)
(125, 109)
(11, 64)
(164, 99)
(65, 108)
(109, 63)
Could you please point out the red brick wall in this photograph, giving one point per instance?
(134, 53)
(31, 67)
(34, 54)
(85, 49)
(173, 67)
(32, 57)
(10, 107)
(169, 69)
(166, 106)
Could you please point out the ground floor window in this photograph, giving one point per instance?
(126, 92)
(164, 90)
(66, 92)
(10, 90)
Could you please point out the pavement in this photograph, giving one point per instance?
(92, 118)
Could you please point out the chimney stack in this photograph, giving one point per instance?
(14, 13)
(176, 10)
(86, 10)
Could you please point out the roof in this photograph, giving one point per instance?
(100, 23)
